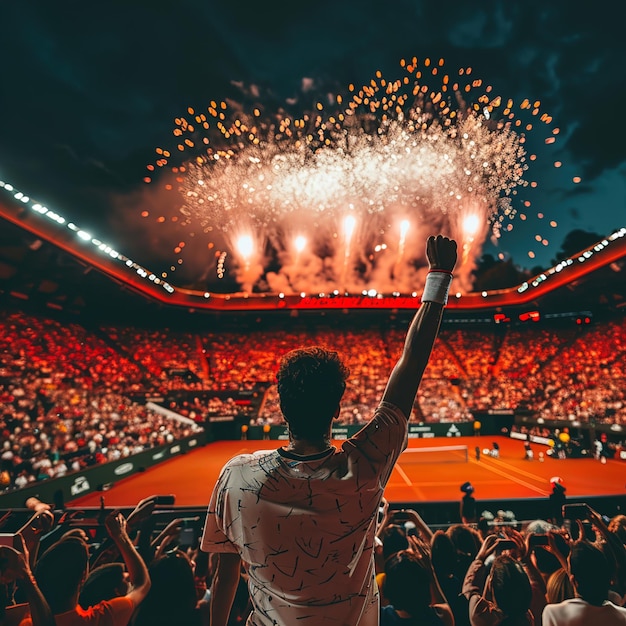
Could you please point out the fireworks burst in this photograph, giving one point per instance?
(344, 194)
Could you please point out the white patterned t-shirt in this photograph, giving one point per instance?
(304, 526)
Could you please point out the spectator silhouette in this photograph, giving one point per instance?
(557, 499)
(505, 596)
(62, 569)
(172, 598)
(103, 583)
(15, 569)
(589, 574)
(408, 589)
(452, 553)
(559, 587)
(393, 539)
(468, 504)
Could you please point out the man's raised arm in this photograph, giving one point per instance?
(408, 371)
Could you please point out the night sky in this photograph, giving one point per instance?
(88, 90)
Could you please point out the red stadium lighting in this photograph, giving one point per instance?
(501, 318)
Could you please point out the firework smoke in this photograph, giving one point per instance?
(342, 199)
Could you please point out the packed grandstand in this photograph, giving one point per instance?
(73, 396)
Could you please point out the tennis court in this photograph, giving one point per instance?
(418, 476)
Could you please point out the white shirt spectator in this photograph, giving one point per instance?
(577, 612)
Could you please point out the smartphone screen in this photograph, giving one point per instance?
(505, 544)
(575, 511)
(401, 515)
(187, 537)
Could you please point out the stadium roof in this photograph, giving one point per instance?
(50, 263)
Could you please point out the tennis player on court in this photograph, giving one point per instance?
(302, 519)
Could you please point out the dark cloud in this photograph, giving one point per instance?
(90, 89)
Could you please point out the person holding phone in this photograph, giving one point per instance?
(504, 596)
(62, 568)
(302, 519)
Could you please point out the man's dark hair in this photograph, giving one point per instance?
(511, 586)
(311, 382)
(60, 571)
(590, 570)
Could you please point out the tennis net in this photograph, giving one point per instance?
(436, 454)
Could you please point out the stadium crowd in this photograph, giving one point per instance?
(64, 403)
(72, 396)
(144, 568)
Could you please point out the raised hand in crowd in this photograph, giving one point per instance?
(15, 569)
(116, 525)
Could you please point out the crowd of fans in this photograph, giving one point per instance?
(553, 571)
(72, 396)
(144, 569)
(64, 402)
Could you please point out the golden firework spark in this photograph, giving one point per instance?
(427, 150)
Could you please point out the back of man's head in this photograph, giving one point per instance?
(60, 572)
(311, 382)
(590, 572)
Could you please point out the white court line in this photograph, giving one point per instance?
(404, 476)
(454, 483)
(518, 470)
(491, 468)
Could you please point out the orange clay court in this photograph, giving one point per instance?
(417, 477)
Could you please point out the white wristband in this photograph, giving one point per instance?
(437, 286)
